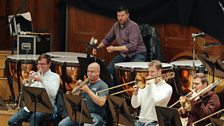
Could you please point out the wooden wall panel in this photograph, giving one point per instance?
(82, 26)
(177, 42)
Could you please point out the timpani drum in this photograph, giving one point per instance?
(18, 68)
(184, 72)
(68, 69)
(65, 54)
(127, 71)
(67, 66)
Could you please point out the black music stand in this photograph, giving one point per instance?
(37, 100)
(213, 64)
(119, 111)
(168, 116)
(217, 122)
(77, 109)
(3, 105)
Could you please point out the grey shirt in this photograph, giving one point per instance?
(128, 35)
(92, 107)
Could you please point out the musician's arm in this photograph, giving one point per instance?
(136, 100)
(212, 105)
(100, 101)
(160, 96)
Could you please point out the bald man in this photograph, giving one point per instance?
(94, 103)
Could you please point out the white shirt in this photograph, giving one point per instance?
(152, 95)
(51, 82)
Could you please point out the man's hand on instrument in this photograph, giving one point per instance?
(38, 78)
(182, 110)
(85, 88)
(135, 92)
(31, 73)
(94, 52)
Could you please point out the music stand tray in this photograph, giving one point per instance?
(3, 105)
(77, 109)
(168, 116)
(119, 111)
(217, 122)
(37, 100)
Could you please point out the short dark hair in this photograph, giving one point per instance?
(122, 8)
(45, 56)
(202, 76)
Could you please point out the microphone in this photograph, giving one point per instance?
(201, 34)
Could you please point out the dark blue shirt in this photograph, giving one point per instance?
(92, 107)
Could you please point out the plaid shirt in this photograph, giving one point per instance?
(128, 35)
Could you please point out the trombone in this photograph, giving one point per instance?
(208, 88)
(140, 83)
(194, 123)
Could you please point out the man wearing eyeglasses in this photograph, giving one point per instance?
(43, 78)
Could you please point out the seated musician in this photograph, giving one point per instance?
(94, 103)
(44, 78)
(130, 42)
(156, 93)
(202, 105)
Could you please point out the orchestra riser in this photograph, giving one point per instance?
(4, 86)
(5, 115)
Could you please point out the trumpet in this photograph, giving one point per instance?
(139, 81)
(76, 90)
(31, 79)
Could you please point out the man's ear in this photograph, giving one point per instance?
(205, 84)
(160, 71)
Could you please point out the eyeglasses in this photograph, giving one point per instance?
(41, 64)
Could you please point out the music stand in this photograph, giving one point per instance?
(2, 105)
(37, 100)
(168, 116)
(119, 111)
(213, 64)
(77, 109)
(217, 122)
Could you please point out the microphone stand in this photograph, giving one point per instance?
(193, 54)
(21, 86)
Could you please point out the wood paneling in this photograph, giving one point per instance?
(176, 41)
(82, 26)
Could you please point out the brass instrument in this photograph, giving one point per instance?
(76, 90)
(31, 78)
(140, 81)
(207, 117)
(208, 88)
(181, 102)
